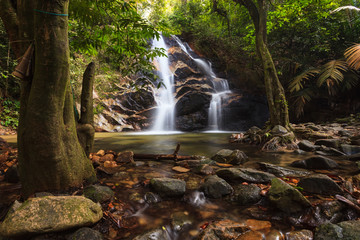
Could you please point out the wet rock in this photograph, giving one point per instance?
(245, 175)
(317, 162)
(154, 235)
(334, 143)
(350, 149)
(306, 145)
(107, 157)
(275, 235)
(350, 229)
(319, 184)
(100, 153)
(257, 225)
(314, 127)
(329, 231)
(300, 235)
(205, 170)
(317, 135)
(98, 193)
(168, 187)
(328, 151)
(223, 229)
(230, 156)
(279, 130)
(194, 163)
(50, 214)
(246, 194)
(287, 198)
(251, 235)
(151, 198)
(85, 234)
(179, 220)
(215, 187)
(125, 157)
(299, 151)
(282, 171)
(354, 157)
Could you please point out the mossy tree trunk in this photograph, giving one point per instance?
(50, 155)
(275, 93)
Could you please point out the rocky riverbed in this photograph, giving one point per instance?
(224, 196)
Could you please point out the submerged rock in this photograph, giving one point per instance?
(230, 156)
(50, 214)
(215, 187)
(287, 198)
(350, 149)
(154, 235)
(300, 235)
(168, 187)
(319, 184)
(317, 162)
(244, 175)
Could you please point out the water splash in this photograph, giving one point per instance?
(164, 97)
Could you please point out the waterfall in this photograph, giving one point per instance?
(221, 87)
(164, 97)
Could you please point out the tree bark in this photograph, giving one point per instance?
(50, 156)
(275, 93)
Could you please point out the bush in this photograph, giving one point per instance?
(9, 113)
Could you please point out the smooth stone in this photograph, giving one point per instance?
(317, 162)
(319, 184)
(168, 187)
(215, 187)
(230, 156)
(334, 143)
(279, 130)
(246, 194)
(328, 231)
(282, 171)
(157, 234)
(194, 163)
(300, 235)
(50, 214)
(245, 175)
(306, 145)
(98, 193)
(125, 157)
(354, 157)
(287, 198)
(151, 198)
(85, 234)
(314, 127)
(299, 151)
(350, 149)
(223, 229)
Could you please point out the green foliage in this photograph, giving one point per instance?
(116, 30)
(9, 112)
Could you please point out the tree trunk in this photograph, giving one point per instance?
(50, 156)
(275, 93)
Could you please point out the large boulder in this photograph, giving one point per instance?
(245, 175)
(317, 162)
(50, 214)
(319, 184)
(347, 230)
(215, 187)
(168, 187)
(306, 145)
(287, 198)
(230, 156)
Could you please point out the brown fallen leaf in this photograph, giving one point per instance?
(223, 164)
(180, 169)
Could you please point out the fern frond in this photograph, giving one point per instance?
(296, 83)
(352, 55)
(331, 73)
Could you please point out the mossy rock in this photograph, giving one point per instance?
(50, 214)
(98, 193)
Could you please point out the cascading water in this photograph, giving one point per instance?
(165, 115)
(221, 88)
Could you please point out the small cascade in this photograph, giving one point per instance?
(221, 88)
(165, 115)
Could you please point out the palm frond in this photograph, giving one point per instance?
(300, 99)
(352, 55)
(296, 83)
(331, 73)
(352, 8)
